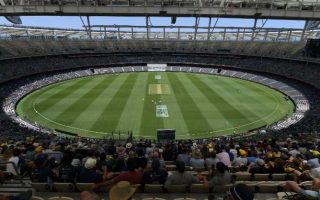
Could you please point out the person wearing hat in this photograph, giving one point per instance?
(88, 173)
(121, 191)
(240, 192)
(242, 160)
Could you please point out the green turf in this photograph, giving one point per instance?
(198, 105)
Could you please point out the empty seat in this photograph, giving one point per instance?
(153, 188)
(261, 177)
(84, 186)
(279, 177)
(269, 188)
(63, 187)
(177, 189)
(198, 188)
(243, 176)
(41, 187)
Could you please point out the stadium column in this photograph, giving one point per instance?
(209, 25)
(89, 27)
(254, 28)
(304, 30)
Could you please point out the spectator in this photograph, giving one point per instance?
(223, 156)
(67, 172)
(242, 160)
(258, 168)
(156, 175)
(88, 173)
(14, 165)
(133, 176)
(121, 191)
(220, 177)
(197, 161)
(180, 177)
(212, 160)
(42, 173)
(184, 156)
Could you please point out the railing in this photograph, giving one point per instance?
(189, 33)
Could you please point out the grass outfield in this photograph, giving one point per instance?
(196, 105)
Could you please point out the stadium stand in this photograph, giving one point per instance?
(264, 163)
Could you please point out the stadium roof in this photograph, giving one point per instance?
(264, 9)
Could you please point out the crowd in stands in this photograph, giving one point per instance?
(78, 160)
(50, 158)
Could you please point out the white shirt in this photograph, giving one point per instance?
(10, 167)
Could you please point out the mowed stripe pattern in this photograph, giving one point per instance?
(198, 105)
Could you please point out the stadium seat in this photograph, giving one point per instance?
(279, 177)
(242, 176)
(221, 188)
(269, 188)
(177, 189)
(198, 188)
(41, 187)
(153, 188)
(36, 198)
(261, 177)
(171, 167)
(63, 187)
(138, 187)
(60, 198)
(169, 162)
(84, 186)
(306, 184)
(198, 169)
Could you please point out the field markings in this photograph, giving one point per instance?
(149, 122)
(89, 115)
(176, 120)
(83, 101)
(131, 116)
(164, 97)
(251, 103)
(60, 111)
(49, 102)
(159, 89)
(222, 100)
(194, 118)
(111, 112)
(211, 112)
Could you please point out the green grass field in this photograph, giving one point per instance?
(196, 105)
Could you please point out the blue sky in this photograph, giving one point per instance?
(75, 22)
